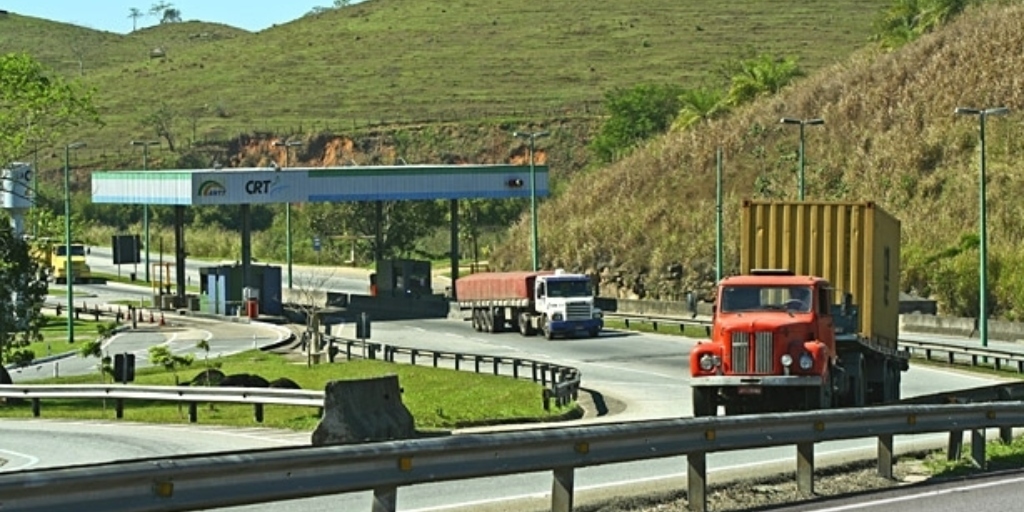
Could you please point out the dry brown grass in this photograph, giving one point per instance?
(890, 136)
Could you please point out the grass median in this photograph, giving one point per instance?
(437, 398)
(55, 335)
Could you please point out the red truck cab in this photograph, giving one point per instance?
(772, 346)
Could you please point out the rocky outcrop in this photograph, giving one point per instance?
(671, 283)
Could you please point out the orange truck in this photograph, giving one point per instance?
(812, 319)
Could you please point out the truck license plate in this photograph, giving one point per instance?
(749, 390)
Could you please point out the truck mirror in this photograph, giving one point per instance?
(707, 330)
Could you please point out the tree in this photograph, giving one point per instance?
(312, 298)
(906, 20)
(635, 115)
(38, 107)
(171, 16)
(22, 293)
(135, 13)
(402, 223)
(94, 348)
(161, 121)
(160, 355)
(159, 8)
(761, 75)
(700, 104)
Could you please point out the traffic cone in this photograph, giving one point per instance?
(162, 323)
(151, 317)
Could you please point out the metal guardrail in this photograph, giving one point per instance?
(258, 397)
(999, 357)
(248, 477)
(561, 383)
(654, 320)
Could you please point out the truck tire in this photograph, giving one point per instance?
(525, 327)
(475, 316)
(546, 330)
(704, 403)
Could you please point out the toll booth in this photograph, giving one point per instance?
(402, 277)
(226, 293)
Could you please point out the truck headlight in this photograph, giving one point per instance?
(598, 315)
(707, 362)
(557, 317)
(806, 361)
(786, 360)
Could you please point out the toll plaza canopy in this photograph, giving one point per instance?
(197, 187)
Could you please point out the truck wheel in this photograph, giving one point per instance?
(704, 403)
(475, 320)
(525, 328)
(546, 329)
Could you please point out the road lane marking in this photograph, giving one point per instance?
(29, 461)
(927, 494)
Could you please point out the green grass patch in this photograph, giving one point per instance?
(55, 335)
(437, 398)
(999, 456)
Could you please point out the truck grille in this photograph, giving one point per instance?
(578, 311)
(763, 358)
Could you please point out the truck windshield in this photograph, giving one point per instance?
(567, 288)
(76, 250)
(737, 299)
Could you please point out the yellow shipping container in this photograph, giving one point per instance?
(854, 245)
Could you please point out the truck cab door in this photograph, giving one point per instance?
(540, 296)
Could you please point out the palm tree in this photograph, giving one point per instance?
(135, 13)
(761, 75)
(700, 104)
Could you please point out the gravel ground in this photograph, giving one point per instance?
(758, 494)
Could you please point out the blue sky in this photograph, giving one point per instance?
(112, 15)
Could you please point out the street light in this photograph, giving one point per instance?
(802, 123)
(533, 192)
(68, 269)
(288, 210)
(145, 207)
(982, 228)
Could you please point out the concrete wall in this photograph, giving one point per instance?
(955, 326)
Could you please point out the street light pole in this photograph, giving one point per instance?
(802, 123)
(533, 136)
(983, 227)
(68, 268)
(288, 210)
(145, 207)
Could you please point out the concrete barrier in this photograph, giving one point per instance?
(361, 411)
(957, 326)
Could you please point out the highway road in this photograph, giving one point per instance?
(1002, 492)
(646, 372)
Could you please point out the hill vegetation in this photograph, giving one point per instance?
(382, 62)
(435, 81)
(890, 136)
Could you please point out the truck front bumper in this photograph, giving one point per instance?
(570, 326)
(727, 381)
